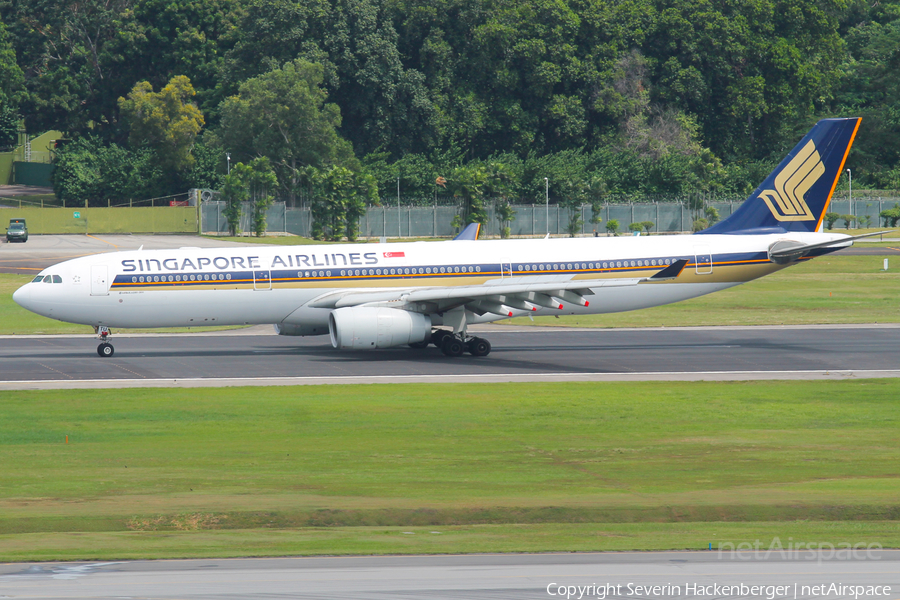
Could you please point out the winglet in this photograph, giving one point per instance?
(469, 233)
(670, 272)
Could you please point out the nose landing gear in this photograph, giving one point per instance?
(105, 349)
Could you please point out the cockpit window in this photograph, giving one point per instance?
(57, 279)
(38, 278)
(48, 279)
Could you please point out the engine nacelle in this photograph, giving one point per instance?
(367, 328)
(288, 329)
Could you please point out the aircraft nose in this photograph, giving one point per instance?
(22, 296)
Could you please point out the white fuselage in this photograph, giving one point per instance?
(277, 284)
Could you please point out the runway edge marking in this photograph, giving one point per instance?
(833, 374)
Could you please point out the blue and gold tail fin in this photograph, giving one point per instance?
(469, 233)
(795, 196)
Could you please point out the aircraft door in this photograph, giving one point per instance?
(262, 280)
(505, 268)
(99, 280)
(703, 260)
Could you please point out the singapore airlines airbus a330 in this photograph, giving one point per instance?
(370, 296)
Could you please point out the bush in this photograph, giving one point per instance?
(88, 170)
(848, 220)
(830, 219)
(891, 216)
(612, 227)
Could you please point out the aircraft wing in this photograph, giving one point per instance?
(497, 297)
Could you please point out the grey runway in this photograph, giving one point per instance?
(525, 355)
(869, 574)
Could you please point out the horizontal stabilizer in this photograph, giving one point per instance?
(788, 252)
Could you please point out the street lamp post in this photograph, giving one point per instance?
(547, 198)
(850, 175)
(398, 207)
(228, 160)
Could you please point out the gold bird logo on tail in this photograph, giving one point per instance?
(791, 184)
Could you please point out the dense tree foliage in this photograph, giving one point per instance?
(166, 121)
(89, 170)
(631, 97)
(282, 114)
(12, 88)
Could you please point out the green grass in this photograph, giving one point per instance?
(550, 537)
(827, 290)
(536, 467)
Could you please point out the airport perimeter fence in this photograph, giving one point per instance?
(530, 219)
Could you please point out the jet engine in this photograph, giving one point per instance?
(300, 330)
(367, 328)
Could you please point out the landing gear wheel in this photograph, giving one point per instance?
(105, 350)
(419, 345)
(452, 346)
(438, 336)
(479, 347)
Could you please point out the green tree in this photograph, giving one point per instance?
(505, 215)
(262, 183)
(864, 220)
(12, 91)
(340, 199)
(82, 55)
(499, 186)
(253, 184)
(647, 226)
(62, 44)
(208, 170)
(830, 219)
(156, 40)
(612, 227)
(749, 71)
(891, 216)
(283, 115)
(89, 170)
(167, 121)
(467, 184)
(385, 105)
(848, 220)
(636, 227)
(234, 194)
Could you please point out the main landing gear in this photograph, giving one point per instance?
(105, 349)
(456, 344)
